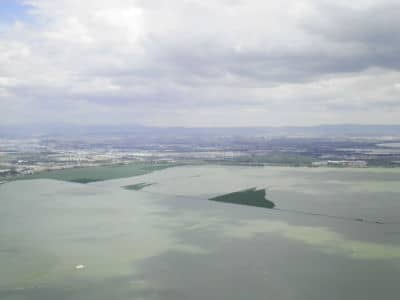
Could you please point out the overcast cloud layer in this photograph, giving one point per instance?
(201, 62)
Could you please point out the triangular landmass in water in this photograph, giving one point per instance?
(251, 197)
(137, 186)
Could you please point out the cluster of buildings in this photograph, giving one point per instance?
(340, 163)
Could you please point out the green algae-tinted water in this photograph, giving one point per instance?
(168, 241)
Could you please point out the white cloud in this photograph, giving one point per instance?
(202, 63)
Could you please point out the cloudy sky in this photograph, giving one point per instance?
(200, 62)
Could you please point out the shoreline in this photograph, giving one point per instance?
(145, 167)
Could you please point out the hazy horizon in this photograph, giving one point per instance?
(125, 130)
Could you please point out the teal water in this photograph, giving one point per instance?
(168, 241)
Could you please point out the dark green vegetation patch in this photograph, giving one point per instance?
(84, 180)
(100, 173)
(137, 186)
(251, 197)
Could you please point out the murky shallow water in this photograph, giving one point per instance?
(167, 241)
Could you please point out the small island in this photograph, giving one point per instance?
(251, 197)
(137, 187)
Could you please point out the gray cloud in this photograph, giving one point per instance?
(202, 63)
(374, 32)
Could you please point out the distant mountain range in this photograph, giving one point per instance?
(340, 130)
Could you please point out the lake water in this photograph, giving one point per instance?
(333, 234)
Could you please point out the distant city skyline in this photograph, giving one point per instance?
(199, 63)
